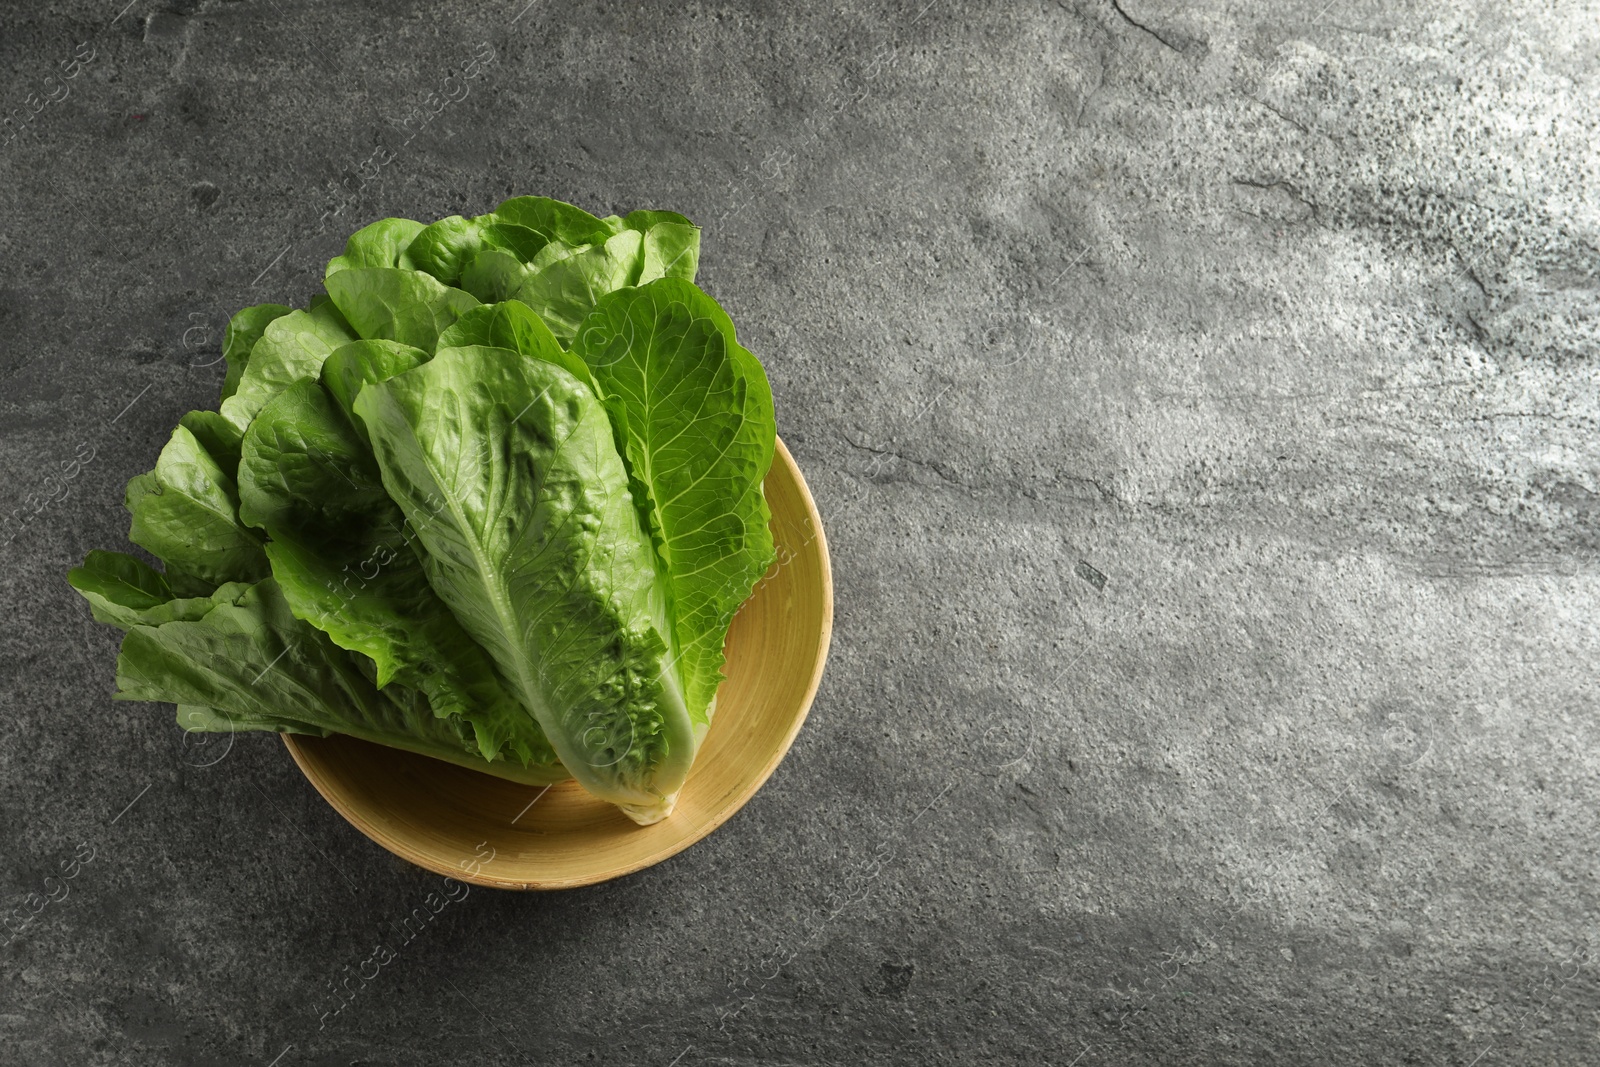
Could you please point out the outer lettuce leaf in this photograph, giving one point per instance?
(340, 555)
(443, 247)
(119, 588)
(555, 221)
(391, 304)
(556, 258)
(291, 349)
(670, 251)
(261, 668)
(322, 304)
(513, 325)
(361, 363)
(201, 720)
(507, 469)
(493, 275)
(126, 592)
(219, 437)
(696, 414)
(519, 242)
(565, 288)
(186, 512)
(644, 220)
(244, 330)
(382, 244)
(447, 248)
(671, 245)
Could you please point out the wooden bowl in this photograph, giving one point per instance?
(492, 832)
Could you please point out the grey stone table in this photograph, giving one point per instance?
(1201, 400)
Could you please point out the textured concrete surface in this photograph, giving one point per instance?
(1201, 400)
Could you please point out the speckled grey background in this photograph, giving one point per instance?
(1201, 401)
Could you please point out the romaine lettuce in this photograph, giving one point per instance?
(494, 497)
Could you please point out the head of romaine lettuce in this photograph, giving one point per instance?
(494, 497)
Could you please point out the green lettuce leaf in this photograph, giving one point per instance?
(391, 304)
(671, 245)
(554, 221)
(493, 275)
(449, 248)
(513, 325)
(258, 667)
(219, 437)
(119, 588)
(695, 409)
(444, 247)
(382, 244)
(244, 330)
(291, 349)
(645, 220)
(340, 554)
(361, 363)
(564, 287)
(186, 513)
(128, 592)
(507, 470)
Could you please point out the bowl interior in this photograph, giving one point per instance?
(492, 832)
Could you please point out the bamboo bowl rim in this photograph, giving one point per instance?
(433, 814)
